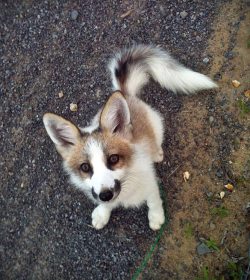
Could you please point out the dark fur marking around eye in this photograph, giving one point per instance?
(112, 161)
(89, 170)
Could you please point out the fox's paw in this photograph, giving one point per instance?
(100, 217)
(156, 218)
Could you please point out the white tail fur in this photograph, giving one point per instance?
(132, 68)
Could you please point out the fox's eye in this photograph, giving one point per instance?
(85, 167)
(113, 159)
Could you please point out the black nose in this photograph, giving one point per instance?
(106, 195)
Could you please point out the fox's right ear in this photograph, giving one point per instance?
(115, 116)
(62, 132)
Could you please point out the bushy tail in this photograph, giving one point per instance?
(132, 68)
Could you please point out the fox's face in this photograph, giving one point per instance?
(97, 162)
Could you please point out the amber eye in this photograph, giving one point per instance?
(85, 167)
(113, 159)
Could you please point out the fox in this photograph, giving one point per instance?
(112, 159)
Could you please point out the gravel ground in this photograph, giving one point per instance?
(53, 46)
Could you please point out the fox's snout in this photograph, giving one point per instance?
(106, 194)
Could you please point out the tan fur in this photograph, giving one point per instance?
(77, 157)
(116, 145)
(116, 100)
(142, 129)
(115, 96)
(141, 124)
(112, 144)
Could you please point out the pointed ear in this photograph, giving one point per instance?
(115, 116)
(62, 132)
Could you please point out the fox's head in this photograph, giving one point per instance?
(97, 160)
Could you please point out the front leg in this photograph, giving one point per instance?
(100, 216)
(155, 212)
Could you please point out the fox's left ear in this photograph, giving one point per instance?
(62, 132)
(115, 117)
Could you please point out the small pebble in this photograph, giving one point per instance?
(222, 194)
(235, 83)
(60, 94)
(73, 107)
(186, 176)
(202, 249)
(211, 119)
(229, 187)
(205, 60)
(74, 15)
(247, 93)
(183, 14)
